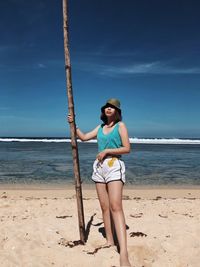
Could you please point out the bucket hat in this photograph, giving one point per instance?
(112, 102)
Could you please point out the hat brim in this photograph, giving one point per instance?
(110, 105)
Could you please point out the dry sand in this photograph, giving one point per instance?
(163, 228)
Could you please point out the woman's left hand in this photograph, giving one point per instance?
(101, 155)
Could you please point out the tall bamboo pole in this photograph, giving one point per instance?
(78, 187)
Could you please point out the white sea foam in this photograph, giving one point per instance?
(44, 140)
(132, 140)
(164, 141)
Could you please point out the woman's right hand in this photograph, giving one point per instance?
(69, 118)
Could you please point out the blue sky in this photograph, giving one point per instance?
(146, 53)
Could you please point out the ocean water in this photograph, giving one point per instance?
(151, 162)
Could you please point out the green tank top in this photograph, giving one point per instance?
(110, 140)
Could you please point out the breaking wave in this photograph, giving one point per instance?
(132, 140)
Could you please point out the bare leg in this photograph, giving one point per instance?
(115, 197)
(105, 207)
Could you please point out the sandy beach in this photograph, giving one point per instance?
(39, 226)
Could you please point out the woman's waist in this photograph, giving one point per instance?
(110, 144)
(112, 156)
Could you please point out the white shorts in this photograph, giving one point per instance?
(111, 169)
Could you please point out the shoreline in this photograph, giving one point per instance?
(88, 186)
(89, 191)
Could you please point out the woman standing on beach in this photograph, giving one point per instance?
(109, 171)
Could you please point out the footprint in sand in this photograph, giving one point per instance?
(141, 256)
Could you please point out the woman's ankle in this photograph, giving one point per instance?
(124, 260)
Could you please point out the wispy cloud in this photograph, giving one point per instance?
(41, 66)
(154, 68)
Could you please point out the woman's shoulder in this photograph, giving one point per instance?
(121, 124)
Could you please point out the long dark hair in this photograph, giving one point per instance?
(118, 116)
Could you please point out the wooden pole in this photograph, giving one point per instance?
(78, 187)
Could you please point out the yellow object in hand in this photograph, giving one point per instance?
(111, 162)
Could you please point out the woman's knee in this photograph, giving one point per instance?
(116, 206)
(105, 206)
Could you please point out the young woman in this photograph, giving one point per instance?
(109, 171)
